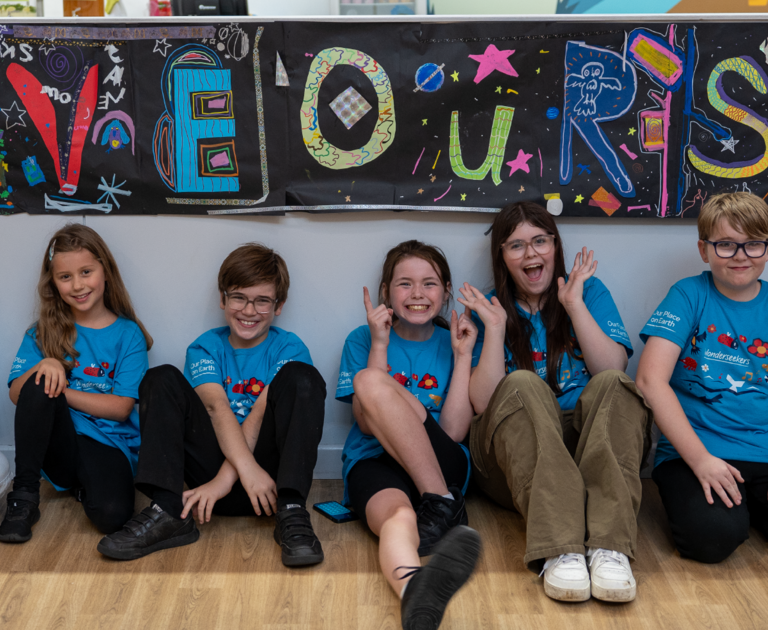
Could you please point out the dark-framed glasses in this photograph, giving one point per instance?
(728, 249)
(541, 244)
(238, 302)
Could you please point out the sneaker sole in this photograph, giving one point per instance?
(135, 554)
(454, 561)
(567, 594)
(302, 561)
(614, 594)
(16, 538)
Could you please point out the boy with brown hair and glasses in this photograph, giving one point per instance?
(241, 426)
(704, 372)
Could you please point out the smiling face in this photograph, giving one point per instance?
(533, 272)
(247, 327)
(416, 293)
(79, 279)
(736, 278)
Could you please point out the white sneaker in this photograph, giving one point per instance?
(612, 579)
(566, 577)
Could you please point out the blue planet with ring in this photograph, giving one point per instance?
(553, 113)
(429, 77)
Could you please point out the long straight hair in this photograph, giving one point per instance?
(553, 314)
(415, 249)
(56, 332)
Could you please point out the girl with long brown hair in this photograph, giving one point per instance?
(404, 468)
(562, 431)
(75, 382)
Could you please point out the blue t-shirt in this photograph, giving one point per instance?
(423, 367)
(112, 360)
(721, 376)
(574, 375)
(242, 373)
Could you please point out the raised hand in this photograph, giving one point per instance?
(715, 474)
(379, 320)
(490, 312)
(572, 292)
(463, 333)
(55, 376)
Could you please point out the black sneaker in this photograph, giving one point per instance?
(150, 530)
(433, 585)
(22, 513)
(294, 533)
(436, 516)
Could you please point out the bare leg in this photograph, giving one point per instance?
(396, 418)
(391, 517)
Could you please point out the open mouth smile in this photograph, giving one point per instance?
(534, 271)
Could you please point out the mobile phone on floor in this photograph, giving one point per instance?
(335, 511)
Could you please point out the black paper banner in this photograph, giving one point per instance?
(604, 119)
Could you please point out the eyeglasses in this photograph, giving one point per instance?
(542, 245)
(262, 305)
(728, 249)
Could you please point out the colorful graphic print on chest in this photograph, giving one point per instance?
(715, 352)
(252, 386)
(428, 381)
(97, 371)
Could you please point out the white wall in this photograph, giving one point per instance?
(170, 266)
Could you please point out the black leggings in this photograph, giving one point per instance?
(178, 442)
(369, 476)
(711, 533)
(46, 440)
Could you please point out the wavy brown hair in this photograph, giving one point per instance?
(553, 314)
(56, 332)
(415, 249)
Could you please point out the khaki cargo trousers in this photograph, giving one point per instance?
(574, 476)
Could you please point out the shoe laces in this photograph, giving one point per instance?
(411, 571)
(565, 558)
(608, 556)
(432, 510)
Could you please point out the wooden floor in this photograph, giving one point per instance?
(233, 578)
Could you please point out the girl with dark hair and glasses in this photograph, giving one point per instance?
(704, 372)
(562, 431)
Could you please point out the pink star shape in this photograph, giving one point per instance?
(493, 59)
(520, 163)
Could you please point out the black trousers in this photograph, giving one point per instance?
(178, 442)
(46, 440)
(711, 533)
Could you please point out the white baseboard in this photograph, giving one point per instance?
(328, 462)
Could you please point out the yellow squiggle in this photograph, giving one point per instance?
(720, 169)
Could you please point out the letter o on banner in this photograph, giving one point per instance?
(383, 134)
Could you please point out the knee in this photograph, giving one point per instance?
(608, 377)
(711, 540)
(110, 516)
(303, 378)
(33, 391)
(158, 378)
(370, 383)
(402, 516)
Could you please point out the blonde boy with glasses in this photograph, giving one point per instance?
(704, 372)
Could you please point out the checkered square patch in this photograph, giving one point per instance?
(350, 107)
